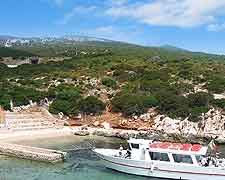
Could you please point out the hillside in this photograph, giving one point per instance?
(124, 80)
(70, 46)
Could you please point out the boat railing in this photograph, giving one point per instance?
(212, 162)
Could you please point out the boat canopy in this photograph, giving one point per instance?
(196, 149)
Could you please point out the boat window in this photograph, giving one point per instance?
(157, 156)
(198, 158)
(164, 157)
(135, 146)
(179, 158)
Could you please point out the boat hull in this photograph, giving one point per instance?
(160, 170)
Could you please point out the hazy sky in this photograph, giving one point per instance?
(197, 25)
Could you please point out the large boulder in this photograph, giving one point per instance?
(96, 123)
(106, 125)
(81, 133)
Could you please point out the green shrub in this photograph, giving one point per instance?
(173, 105)
(196, 112)
(20, 100)
(133, 104)
(184, 88)
(64, 91)
(66, 107)
(68, 95)
(199, 99)
(109, 82)
(162, 75)
(91, 105)
(217, 84)
(5, 101)
(199, 103)
(21, 96)
(121, 75)
(128, 105)
(220, 103)
(150, 101)
(152, 86)
(66, 100)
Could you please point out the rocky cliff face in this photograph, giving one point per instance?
(212, 125)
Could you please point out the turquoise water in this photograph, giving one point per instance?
(80, 165)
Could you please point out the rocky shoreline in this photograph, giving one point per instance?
(210, 127)
(156, 135)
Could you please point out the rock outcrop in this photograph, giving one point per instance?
(211, 125)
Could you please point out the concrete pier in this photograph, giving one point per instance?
(32, 153)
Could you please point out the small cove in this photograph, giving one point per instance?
(80, 165)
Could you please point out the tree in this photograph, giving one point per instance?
(133, 104)
(66, 107)
(198, 103)
(68, 94)
(199, 99)
(91, 105)
(5, 101)
(173, 105)
(128, 105)
(66, 100)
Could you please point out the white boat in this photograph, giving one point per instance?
(164, 160)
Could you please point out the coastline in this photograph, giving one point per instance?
(18, 136)
(152, 134)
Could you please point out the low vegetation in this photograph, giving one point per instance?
(9, 52)
(140, 78)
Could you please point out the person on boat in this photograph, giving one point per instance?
(121, 150)
(204, 161)
(212, 161)
(128, 154)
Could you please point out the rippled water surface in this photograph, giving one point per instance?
(80, 165)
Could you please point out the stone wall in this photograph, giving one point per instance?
(32, 153)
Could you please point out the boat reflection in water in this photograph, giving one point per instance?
(164, 160)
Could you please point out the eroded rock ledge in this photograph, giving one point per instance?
(161, 127)
(156, 135)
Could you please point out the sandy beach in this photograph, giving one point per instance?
(13, 136)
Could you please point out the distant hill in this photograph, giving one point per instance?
(10, 41)
(72, 46)
(173, 48)
(9, 52)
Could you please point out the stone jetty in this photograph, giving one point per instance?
(32, 153)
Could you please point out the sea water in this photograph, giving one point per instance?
(80, 165)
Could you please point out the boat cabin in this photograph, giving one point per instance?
(166, 151)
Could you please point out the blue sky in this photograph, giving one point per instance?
(197, 25)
